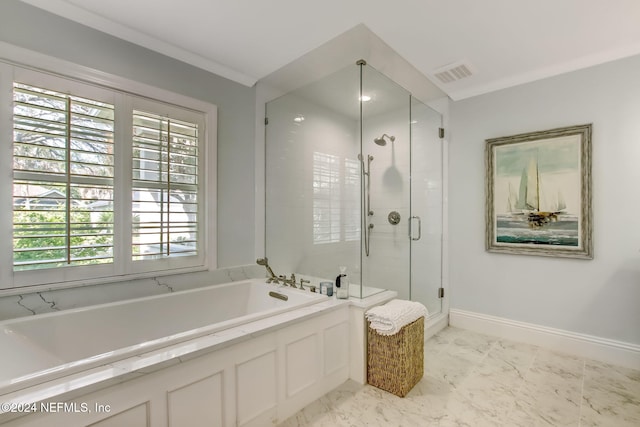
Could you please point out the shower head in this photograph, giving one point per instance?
(381, 141)
(262, 261)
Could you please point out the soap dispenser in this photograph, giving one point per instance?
(342, 284)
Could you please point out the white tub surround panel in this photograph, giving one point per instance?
(250, 375)
(39, 348)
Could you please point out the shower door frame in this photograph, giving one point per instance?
(433, 297)
(435, 135)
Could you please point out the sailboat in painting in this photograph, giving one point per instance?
(539, 208)
(537, 193)
(536, 213)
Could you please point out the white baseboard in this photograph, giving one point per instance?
(435, 324)
(610, 351)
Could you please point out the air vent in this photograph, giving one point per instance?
(453, 72)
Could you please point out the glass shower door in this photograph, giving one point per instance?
(312, 179)
(385, 162)
(426, 222)
(354, 179)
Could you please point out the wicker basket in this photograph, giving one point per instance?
(395, 363)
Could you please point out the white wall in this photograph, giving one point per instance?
(289, 183)
(599, 297)
(290, 152)
(388, 264)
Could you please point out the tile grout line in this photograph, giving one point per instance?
(535, 407)
(524, 379)
(476, 366)
(584, 373)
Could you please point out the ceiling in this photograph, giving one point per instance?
(502, 43)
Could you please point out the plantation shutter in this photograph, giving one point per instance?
(336, 202)
(326, 198)
(165, 187)
(63, 157)
(351, 200)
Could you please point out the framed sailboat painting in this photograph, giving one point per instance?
(538, 188)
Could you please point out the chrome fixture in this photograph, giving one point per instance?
(382, 141)
(367, 176)
(272, 276)
(281, 279)
(366, 172)
(419, 228)
(394, 218)
(265, 262)
(278, 295)
(289, 282)
(369, 159)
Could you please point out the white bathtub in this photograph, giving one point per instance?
(39, 348)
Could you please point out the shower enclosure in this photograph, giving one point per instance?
(354, 178)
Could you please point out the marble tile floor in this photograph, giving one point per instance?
(477, 380)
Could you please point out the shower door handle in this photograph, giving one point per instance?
(419, 228)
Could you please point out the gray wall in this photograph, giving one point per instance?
(35, 29)
(600, 297)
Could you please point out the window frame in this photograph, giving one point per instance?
(174, 262)
(27, 67)
(29, 77)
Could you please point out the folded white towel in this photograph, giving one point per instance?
(388, 319)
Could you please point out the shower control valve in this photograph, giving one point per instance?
(394, 218)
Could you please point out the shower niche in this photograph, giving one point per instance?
(354, 178)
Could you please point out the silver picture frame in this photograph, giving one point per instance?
(538, 193)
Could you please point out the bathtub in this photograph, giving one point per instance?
(44, 347)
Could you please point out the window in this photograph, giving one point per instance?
(104, 183)
(62, 179)
(326, 198)
(351, 205)
(336, 190)
(165, 187)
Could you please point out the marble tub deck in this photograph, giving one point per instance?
(477, 380)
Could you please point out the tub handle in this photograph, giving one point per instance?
(278, 295)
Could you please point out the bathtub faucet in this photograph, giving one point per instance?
(272, 276)
(289, 282)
